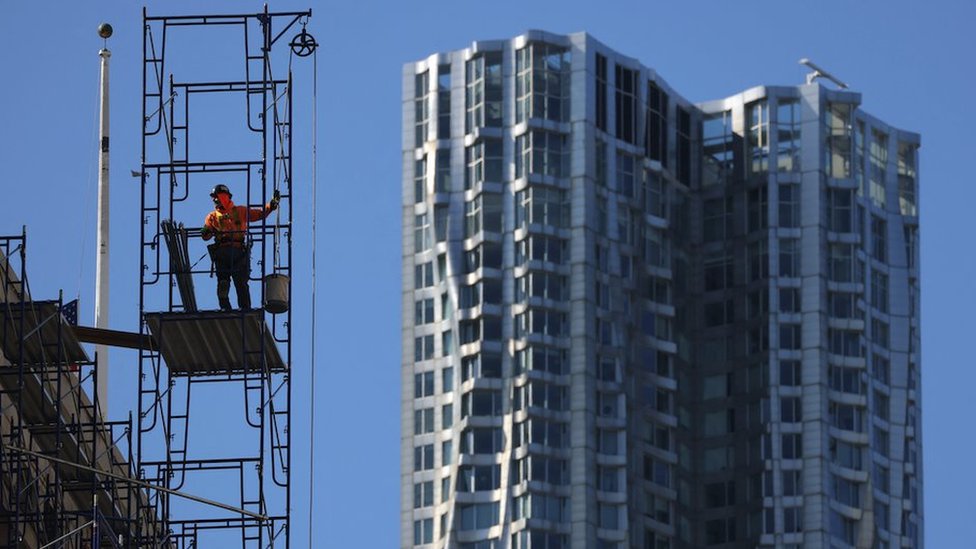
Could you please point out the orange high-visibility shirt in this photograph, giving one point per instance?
(232, 223)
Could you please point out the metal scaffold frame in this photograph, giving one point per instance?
(249, 352)
(62, 477)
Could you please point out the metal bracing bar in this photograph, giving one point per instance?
(161, 106)
(69, 534)
(147, 485)
(215, 19)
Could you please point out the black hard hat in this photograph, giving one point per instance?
(220, 189)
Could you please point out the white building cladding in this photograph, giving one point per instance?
(631, 321)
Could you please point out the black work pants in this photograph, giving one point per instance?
(232, 262)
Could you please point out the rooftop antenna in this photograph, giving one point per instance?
(102, 264)
(821, 73)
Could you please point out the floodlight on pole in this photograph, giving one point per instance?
(821, 73)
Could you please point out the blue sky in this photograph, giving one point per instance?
(912, 61)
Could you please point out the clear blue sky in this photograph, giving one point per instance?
(912, 61)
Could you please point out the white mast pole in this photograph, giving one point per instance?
(102, 263)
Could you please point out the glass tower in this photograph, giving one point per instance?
(631, 321)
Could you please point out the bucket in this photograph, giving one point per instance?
(276, 293)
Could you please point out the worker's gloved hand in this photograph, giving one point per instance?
(206, 233)
(275, 198)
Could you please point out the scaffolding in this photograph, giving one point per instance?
(208, 470)
(215, 395)
(62, 475)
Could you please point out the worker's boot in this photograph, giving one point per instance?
(223, 294)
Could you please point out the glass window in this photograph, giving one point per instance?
(447, 380)
(483, 212)
(601, 92)
(790, 336)
(423, 421)
(878, 173)
(792, 448)
(542, 82)
(477, 516)
(789, 257)
(626, 104)
(718, 219)
(542, 153)
(423, 494)
(424, 311)
(422, 237)
(792, 516)
(541, 205)
(845, 342)
(791, 410)
(656, 124)
(789, 372)
(447, 416)
(626, 174)
(444, 102)
(718, 149)
(683, 146)
(789, 205)
(846, 454)
(421, 108)
(423, 457)
(879, 290)
(541, 248)
(789, 300)
(838, 131)
(420, 179)
(879, 238)
(484, 163)
(423, 531)
(483, 97)
(442, 171)
(788, 135)
(907, 175)
(757, 138)
(423, 384)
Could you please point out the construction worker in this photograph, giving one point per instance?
(227, 224)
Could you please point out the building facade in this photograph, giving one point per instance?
(631, 321)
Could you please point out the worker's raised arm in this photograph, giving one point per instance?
(256, 214)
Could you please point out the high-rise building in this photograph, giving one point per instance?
(631, 321)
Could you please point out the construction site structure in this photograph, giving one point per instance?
(205, 458)
(64, 481)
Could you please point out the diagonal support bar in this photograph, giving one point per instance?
(147, 485)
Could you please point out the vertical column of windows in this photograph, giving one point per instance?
(483, 91)
(717, 149)
(421, 108)
(683, 150)
(906, 179)
(656, 124)
(444, 102)
(757, 138)
(601, 92)
(837, 120)
(542, 83)
(788, 135)
(877, 176)
(625, 102)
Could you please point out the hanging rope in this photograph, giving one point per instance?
(311, 451)
(279, 157)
